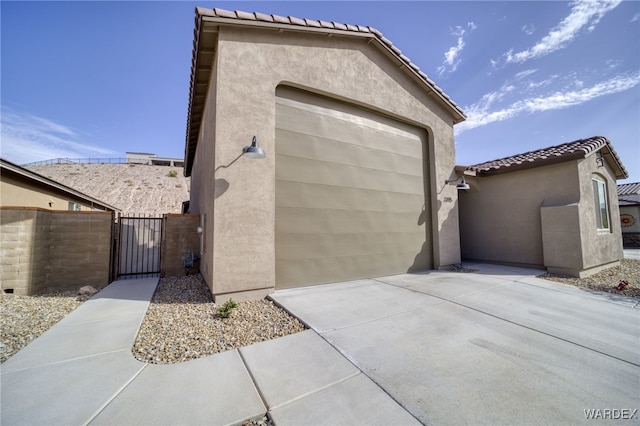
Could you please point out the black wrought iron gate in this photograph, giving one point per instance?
(138, 241)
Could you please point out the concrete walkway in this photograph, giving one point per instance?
(81, 371)
(632, 253)
(498, 346)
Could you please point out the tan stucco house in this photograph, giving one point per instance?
(629, 201)
(358, 143)
(20, 187)
(555, 208)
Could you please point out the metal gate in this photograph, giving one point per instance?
(138, 243)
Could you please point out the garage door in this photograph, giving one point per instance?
(350, 193)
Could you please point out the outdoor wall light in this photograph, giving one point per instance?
(254, 151)
(462, 185)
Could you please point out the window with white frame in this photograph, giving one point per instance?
(74, 206)
(601, 204)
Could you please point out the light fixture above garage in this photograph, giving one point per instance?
(254, 151)
(462, 185)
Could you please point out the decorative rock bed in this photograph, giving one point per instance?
(183, 323)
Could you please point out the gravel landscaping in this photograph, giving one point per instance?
(183, 323)
(23, 318)
(607, 280)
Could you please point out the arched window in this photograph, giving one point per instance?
(601, 204)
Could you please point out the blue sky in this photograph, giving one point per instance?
(97, 79)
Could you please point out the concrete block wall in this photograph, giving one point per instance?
(79, 249)
(49, 250)
(20, 270)
(180, 236)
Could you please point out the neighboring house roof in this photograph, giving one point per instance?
(8, 166)
(575, 150)
(204, 52)
(629, 194)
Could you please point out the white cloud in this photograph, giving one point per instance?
(635, 17)
(452, 56)
(27, 138)
(480, 113)
(584, 13)
(528, 29)
(524, 74)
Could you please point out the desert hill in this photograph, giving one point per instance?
(133, 188)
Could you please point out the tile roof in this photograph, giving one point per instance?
(629, 194)
(629, 188)
(217, 15)
(581, 148)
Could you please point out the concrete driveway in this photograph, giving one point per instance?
(497, 346)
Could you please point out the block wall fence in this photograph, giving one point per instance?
(44, 250)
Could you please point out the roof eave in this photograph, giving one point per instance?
(529, 164)
(14, 168)
(615, 162)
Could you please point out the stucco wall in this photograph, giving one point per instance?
(634, 212)
(250, 64)
(45, 250)
(598, 247)
(561, 239)
(500, 219)
(543, 216)
(205, 186)
(17, 192)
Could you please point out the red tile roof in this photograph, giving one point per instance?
(581, 148)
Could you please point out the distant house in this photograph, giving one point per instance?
(358, 142)
(20, 187)
(153, 159)
(555, 208)
(629, 201)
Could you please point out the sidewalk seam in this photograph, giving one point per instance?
(253, 380)
(327, 386)
(364, 373)
(115, 395)
(10, 371)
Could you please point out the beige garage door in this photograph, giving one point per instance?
(350, 193)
